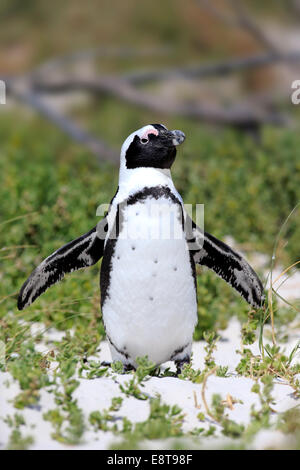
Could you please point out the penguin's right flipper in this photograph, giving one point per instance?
(226, 263)
(80, 253)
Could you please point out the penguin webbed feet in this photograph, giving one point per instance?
(105, 364)
(129, 367)
(180, 364)
(126, 367)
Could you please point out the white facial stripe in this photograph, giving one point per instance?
(144, 131)
(148, 132)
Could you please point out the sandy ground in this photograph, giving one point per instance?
(96, 394)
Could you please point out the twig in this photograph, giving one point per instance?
(7, 296)
(196, 401)
(211, 372)
(285, 271)
(15, 247)
(270, 302)
(8, 221)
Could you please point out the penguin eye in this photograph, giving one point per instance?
(144, 141)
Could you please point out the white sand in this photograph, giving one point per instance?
(96, 394)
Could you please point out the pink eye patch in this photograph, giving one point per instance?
(148, 132)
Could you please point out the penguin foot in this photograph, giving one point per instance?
(105, 364)
(179, 364)
(128, 367)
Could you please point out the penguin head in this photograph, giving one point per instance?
(152, 146)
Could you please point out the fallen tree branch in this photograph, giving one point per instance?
(34, 101)
(238, 116)
(221, 68)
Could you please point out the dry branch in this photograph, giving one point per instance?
(69, 127)
(238, 116)
(125, 89)
(214, 69)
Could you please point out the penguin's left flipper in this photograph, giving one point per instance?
(80, 253)
(227, 264)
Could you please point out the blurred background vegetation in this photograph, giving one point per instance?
(81, 76)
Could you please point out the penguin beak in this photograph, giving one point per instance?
(177, 137)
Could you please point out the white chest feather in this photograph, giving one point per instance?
(151, 305)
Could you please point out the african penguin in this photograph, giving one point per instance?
(149, 247)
